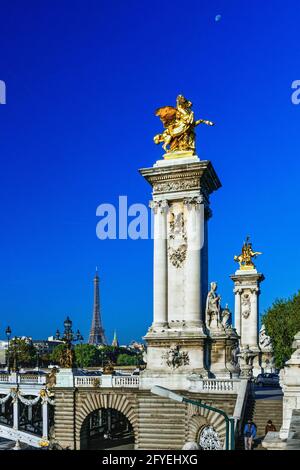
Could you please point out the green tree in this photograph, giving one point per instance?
(282, 322)
(126, 360)
(57, 353)
(21, 352)
(86, 355)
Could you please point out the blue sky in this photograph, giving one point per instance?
(83, 80)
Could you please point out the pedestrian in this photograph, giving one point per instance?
(270, 427)
(249, 434)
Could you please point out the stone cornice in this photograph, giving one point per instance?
(175, 178)
(242, 279)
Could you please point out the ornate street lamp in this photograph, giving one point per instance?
(8, 334)
(68, 337)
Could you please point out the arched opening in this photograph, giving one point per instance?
(106, 428)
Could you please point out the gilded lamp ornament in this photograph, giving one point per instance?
(179, 124)
(245, 258)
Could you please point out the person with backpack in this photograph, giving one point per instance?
(249, 434)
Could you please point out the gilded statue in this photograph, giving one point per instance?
(179, 124)
(67, 358)
(245, 258)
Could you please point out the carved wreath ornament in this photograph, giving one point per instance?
(177, 256)
(175, 358)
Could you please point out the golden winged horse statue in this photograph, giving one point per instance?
(245, 258)
(179, 124)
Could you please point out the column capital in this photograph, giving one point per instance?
(194, 201)
(238, 290)
(160, 205)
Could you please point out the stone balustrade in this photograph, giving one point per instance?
(215, 385)
(107, 381)
(87, 381)
(130, 381)
(14, 378)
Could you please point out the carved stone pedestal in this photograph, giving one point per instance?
(222, 360)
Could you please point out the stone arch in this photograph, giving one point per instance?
(95, 401)
(201, 417)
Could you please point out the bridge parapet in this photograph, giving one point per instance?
(107, 381)
(22, 378)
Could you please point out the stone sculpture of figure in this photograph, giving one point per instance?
(179, 124)
(226, 317)
(213, 307)
(265, 341)
(245, 258)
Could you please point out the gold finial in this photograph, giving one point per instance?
(245, 258)
(179, 124)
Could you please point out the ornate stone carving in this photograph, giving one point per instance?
(175, 358)
(246, 357)
(246, 305)
(265, 342)
(161, 205)
(177, 228)
(194, 201)
(176, 185)
(177, 255)
(209, 439)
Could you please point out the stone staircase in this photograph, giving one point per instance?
(260, 410)
(161, 423)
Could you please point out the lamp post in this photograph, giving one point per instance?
(68, 337)
(8, 334)
(164, 392)
(79, 337)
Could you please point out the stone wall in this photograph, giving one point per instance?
(158, 423)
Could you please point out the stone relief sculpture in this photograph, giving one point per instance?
(246, 305)
(176, 358)
(265, 342)
(177, 236)
(179, 124)
(178, 255)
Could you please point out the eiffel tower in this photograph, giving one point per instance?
(97, 335)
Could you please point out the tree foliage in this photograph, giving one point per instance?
(127, 360)
(86, 355)
(57, 353)
(22, 352)
(282, 322)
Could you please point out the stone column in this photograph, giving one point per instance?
(194, 213)
(160, 267)
(175, 340)
(237, 310)
(45, 419)
(16, 413)
(246, 289)
(253, 326)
